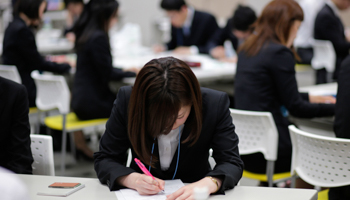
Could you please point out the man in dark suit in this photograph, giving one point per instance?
(15, 152)
(342, 118)
(190, 30)
(237, 29)
(328, 26)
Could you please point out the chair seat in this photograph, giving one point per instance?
(72, 122)
(33, 110)
(263, 177)
(323, 195)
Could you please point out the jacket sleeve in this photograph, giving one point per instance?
(35, 61)
(283, 73)
(210, 28)
(221, 35)
(229, 165)
(110, 160)
(172, 44)
(101, 56)
(20, 135)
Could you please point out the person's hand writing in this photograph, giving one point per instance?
(187, 192)
(322, 99)
(182, 50)
(143, 184)
(158, 48)
(218, 52)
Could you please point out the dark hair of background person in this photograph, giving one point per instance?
(66, 2)
(29, 7)
(243, 18)
(96, 16)
(161, 88)
(172, 4)
(274, 24)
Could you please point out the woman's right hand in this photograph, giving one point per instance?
(143, 184)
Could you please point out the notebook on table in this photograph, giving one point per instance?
(59, 192)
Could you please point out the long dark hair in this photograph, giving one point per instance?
(274, 24)
(29, 7)
(95, 16)
(161, 88)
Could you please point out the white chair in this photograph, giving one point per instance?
(319, 160)
(42, 151)
(257, 132)
(10, 72)
(52, 93)
(324, 55)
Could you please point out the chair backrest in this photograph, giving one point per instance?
(52, 92)
(324, 55)
(257, 132)
(42, 150)
(320, 160)
(10, 72)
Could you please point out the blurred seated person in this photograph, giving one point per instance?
(74, 10)
(15, 151)
(341, 122)
(190, 30)
(237, 29)
(19, 45)
(265, 80)
(91, 96)
(328, 26)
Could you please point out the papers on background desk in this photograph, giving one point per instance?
(171, 186)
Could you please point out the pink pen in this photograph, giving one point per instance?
(143, 168)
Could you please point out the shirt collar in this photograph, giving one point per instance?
(189, 18)
(333, 7)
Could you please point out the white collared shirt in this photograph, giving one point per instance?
(167, 146)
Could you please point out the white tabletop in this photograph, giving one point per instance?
(321, 89)
(95, 190)
(51, 41)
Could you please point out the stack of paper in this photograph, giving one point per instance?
(59, 192)
(171, 186)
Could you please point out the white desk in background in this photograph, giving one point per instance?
(211, 70)
(322, 125)
(50, 41)
(94, 190)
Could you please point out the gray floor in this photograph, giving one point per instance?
(81, 168)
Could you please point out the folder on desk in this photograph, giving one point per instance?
(59, 192)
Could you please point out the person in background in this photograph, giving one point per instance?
(303, 41)
(342, 119)
(265, 79)
(19, 46)
(170, 123)
(74, 10)
(190, 30)
(237, 29)
(328, 26)
(15, 151)
(91, 96)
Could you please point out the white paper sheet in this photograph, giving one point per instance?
(170, 187)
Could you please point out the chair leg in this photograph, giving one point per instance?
(72, 145)
(269, 172)
(64, 144)
(294, 177)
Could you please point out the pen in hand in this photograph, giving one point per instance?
(144, 170)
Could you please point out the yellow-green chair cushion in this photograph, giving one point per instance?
(323, 195)
(302, 67)
(72, 122)
(263, 177)
(33, 110)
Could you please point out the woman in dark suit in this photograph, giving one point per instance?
(265, 79)
(170, 123)
(92, 97)
(19, 46)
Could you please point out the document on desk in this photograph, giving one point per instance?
(171, 186)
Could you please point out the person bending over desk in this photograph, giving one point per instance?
(170, 123)
(92, 97)
(265, 79)
(19, 46)
(190, 30)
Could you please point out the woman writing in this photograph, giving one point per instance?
(170, 123)
(265, 79)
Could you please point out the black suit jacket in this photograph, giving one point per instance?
(217, 133)
(342, 108)
(15, 152)
(19, 48)
(202, 29)
(92, 97)
(329, 27)
(221, 35)
(266, 81)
